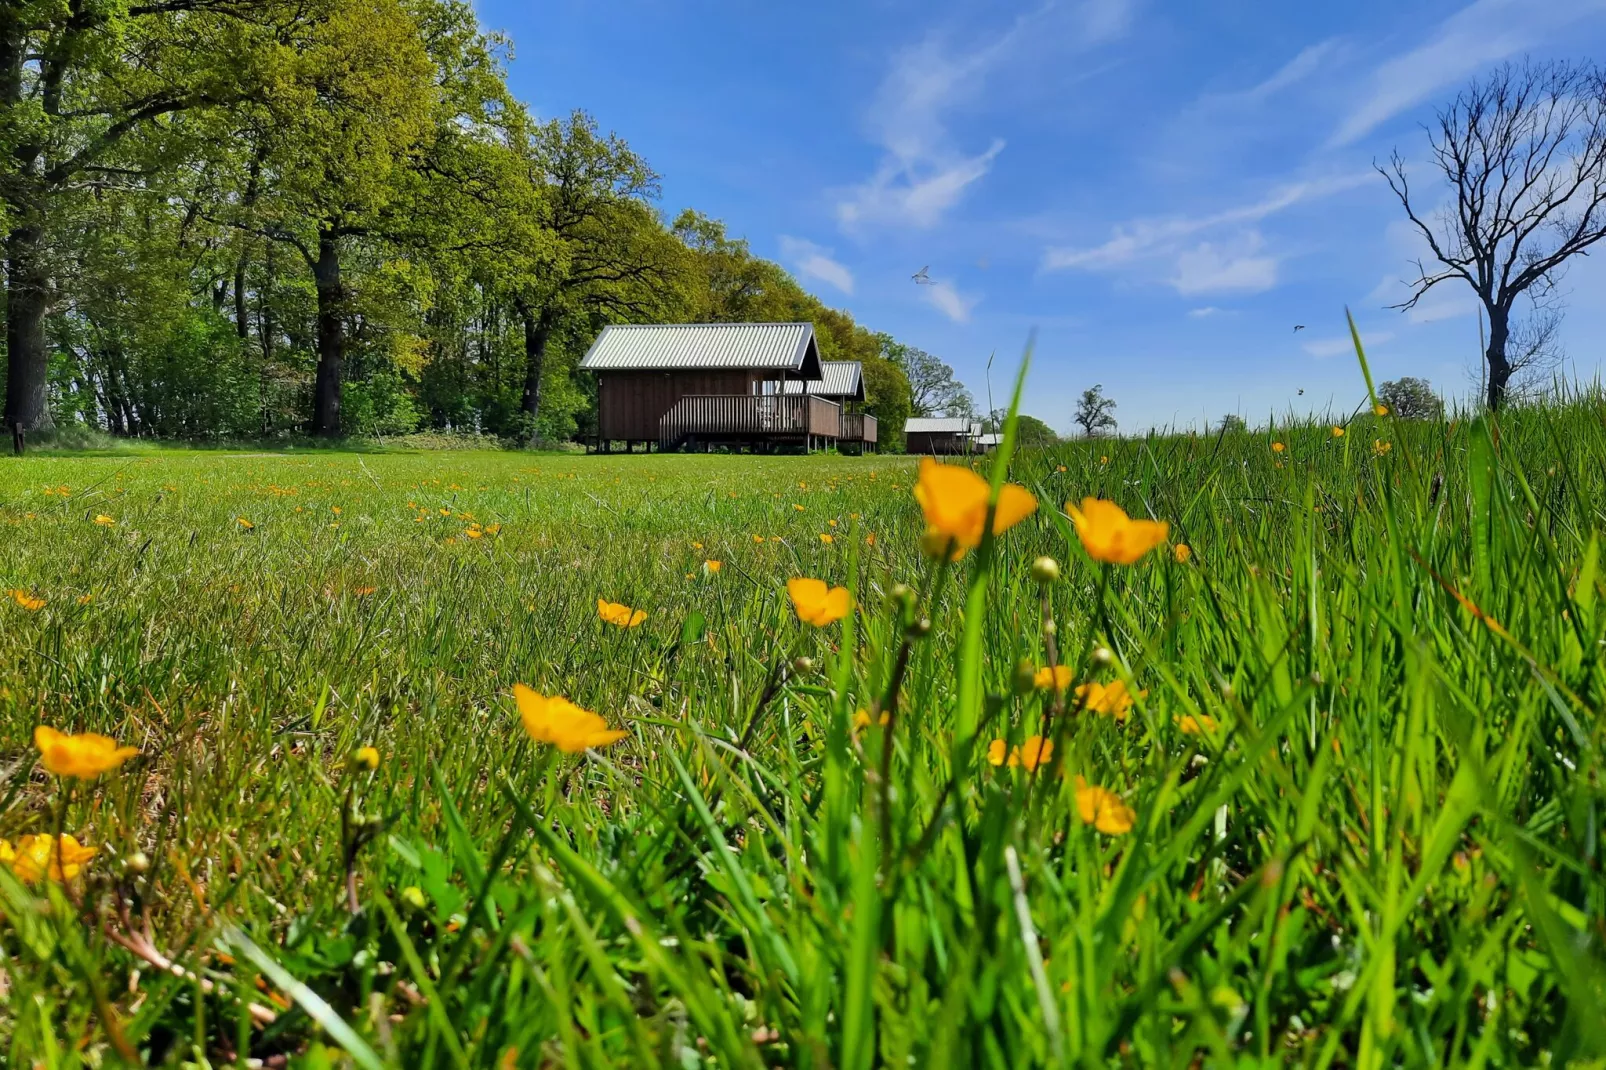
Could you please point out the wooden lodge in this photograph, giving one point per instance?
(941, 435)
(693, 386)
(842, 381)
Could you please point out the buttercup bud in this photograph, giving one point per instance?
(1045, 570)
(920, 628)
(1102, 656)
(803, 666)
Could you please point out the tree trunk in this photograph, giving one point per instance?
(242, 325)
(1495, 356)
(537, 330)
(331, 337)
(27, 303)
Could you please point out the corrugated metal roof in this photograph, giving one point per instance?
(654, 347)
(842, 379)
(941, 425)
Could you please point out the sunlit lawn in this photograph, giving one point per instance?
(1351, 817)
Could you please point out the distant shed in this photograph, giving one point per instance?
(930, 434)
(691, 384)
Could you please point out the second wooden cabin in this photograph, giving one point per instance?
(696, 385)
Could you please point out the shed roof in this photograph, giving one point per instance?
(788, 347)
(841, 379)
(941, 425)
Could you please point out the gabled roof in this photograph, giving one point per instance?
(942, 425)
(842, 379)
(788, 347)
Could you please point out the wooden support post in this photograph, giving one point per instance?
(16, 438)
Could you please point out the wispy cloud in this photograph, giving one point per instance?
(924, 171)
(1238, 266)
(1221, 252)
(1323, 348)
(946, 298)
(1482, 33)
(813, 262)
(1207, 312)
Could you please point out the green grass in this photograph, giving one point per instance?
(1387, 854)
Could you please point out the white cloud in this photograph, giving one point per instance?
(1207, 312)
(918, 194)
(1162, 236)
(1338, 346)
(945, 298)
(924, 172)
(1234, 267)
(1482, 33)
(813, 262)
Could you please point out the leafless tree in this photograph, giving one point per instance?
(1524, 152)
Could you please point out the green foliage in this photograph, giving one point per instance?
(345, 186)
(1410, 398)
(1379, 855)
(1095, 412)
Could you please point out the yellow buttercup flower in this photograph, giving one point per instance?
(1059, 678)
(1200, 725)
(472, 533)
(1035, 751)
(861, 719)
(817, 603)
(31, 603)
(85, 755)
(366, 758)
(1111, 699)
(1109, 535)
(1382, 448)
(954, 501)
(1182, 551)
(827, 539)
(713, 566)
(1382, 410)
(619, 614)
(1277, 447)
(555, 720)
(1103, 809)
(103, 520)
(1338, 432)
(32, 858)
(245, 525)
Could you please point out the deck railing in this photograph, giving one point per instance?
(748, 416)
(858, 427)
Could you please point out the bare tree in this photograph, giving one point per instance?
(1524, 151)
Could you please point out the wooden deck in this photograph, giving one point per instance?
(860, 428)
(751, 419)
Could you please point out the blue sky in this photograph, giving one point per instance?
(1161, 189)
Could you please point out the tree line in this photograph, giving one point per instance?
(242, 218)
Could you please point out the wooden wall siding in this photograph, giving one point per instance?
(752, 416)
(630, 404)
(935, 442)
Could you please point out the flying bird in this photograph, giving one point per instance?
(1301, 391)
(921, 277)
(1298, 327)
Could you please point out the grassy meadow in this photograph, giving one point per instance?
(1351, 818)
